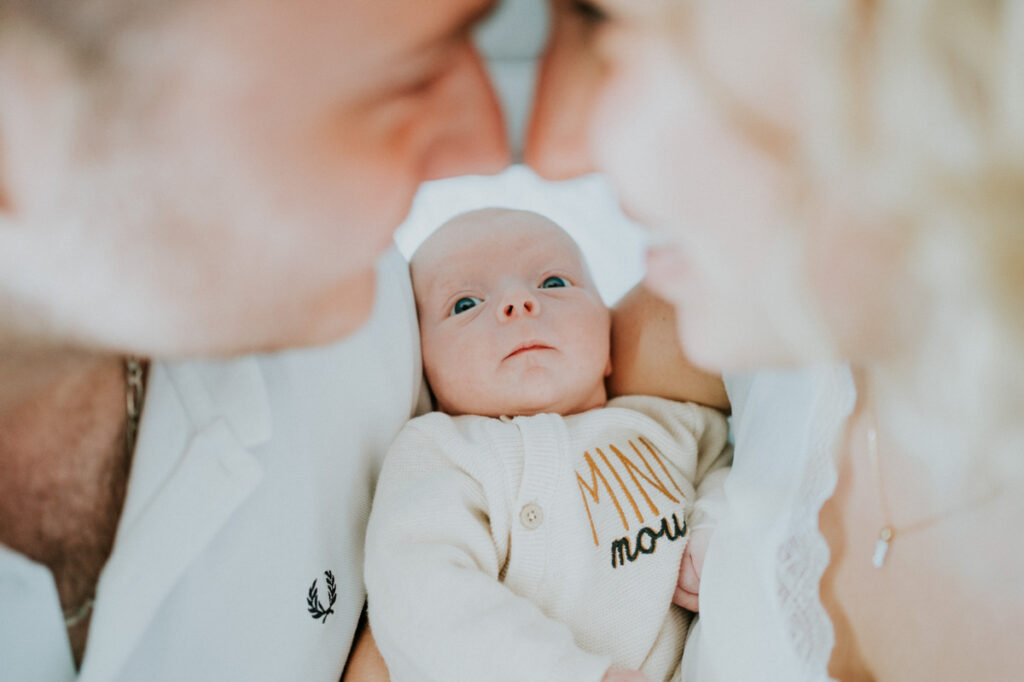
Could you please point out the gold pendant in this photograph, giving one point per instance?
(882, 547)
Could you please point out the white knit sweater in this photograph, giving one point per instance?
(542, 547)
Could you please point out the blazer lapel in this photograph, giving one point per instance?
(192, 470)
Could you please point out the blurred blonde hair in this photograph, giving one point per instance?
(917, 112)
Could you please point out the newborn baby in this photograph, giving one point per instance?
(531, 529)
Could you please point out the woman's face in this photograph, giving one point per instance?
(692, 111)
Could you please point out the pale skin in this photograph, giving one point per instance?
(918, 618)
(510, 320)
(644, 327)
(482, 286)
(297, 171)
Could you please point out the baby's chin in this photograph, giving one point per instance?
(496, 410)
(525, 406)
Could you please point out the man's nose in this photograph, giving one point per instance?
(473, 137)
(518, 304)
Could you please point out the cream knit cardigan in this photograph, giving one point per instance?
(542, 547)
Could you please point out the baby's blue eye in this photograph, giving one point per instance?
(464, 304)
(554, 282)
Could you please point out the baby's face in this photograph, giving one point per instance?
(510, 320)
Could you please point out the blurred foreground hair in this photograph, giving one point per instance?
(917, 112)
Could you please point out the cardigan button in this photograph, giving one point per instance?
(531, 516)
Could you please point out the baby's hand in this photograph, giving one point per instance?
(620, 675)
(688, 585)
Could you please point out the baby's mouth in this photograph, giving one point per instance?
(527, 347)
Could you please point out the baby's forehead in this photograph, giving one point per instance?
(483, 237)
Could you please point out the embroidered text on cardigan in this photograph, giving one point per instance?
(646, 541)
(649, 483)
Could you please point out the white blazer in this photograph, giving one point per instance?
(240, 548)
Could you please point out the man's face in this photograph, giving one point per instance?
(231, 181)
(510, 320)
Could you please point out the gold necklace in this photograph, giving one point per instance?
(889, 531)
(134, 380)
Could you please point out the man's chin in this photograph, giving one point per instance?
(331, 317)
(339, 314)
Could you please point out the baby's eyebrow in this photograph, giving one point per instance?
(438, 288)
(443, 283)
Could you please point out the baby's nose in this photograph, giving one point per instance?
(510, 309)
(517, 305)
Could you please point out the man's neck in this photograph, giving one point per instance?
(29, 371)
(61, 431)
(63, 467)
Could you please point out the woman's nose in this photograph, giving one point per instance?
(517, 305)
(472, 137)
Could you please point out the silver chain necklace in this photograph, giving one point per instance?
(134, 379)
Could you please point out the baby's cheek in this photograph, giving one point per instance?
(461, 376)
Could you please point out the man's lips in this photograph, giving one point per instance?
(527, 347)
